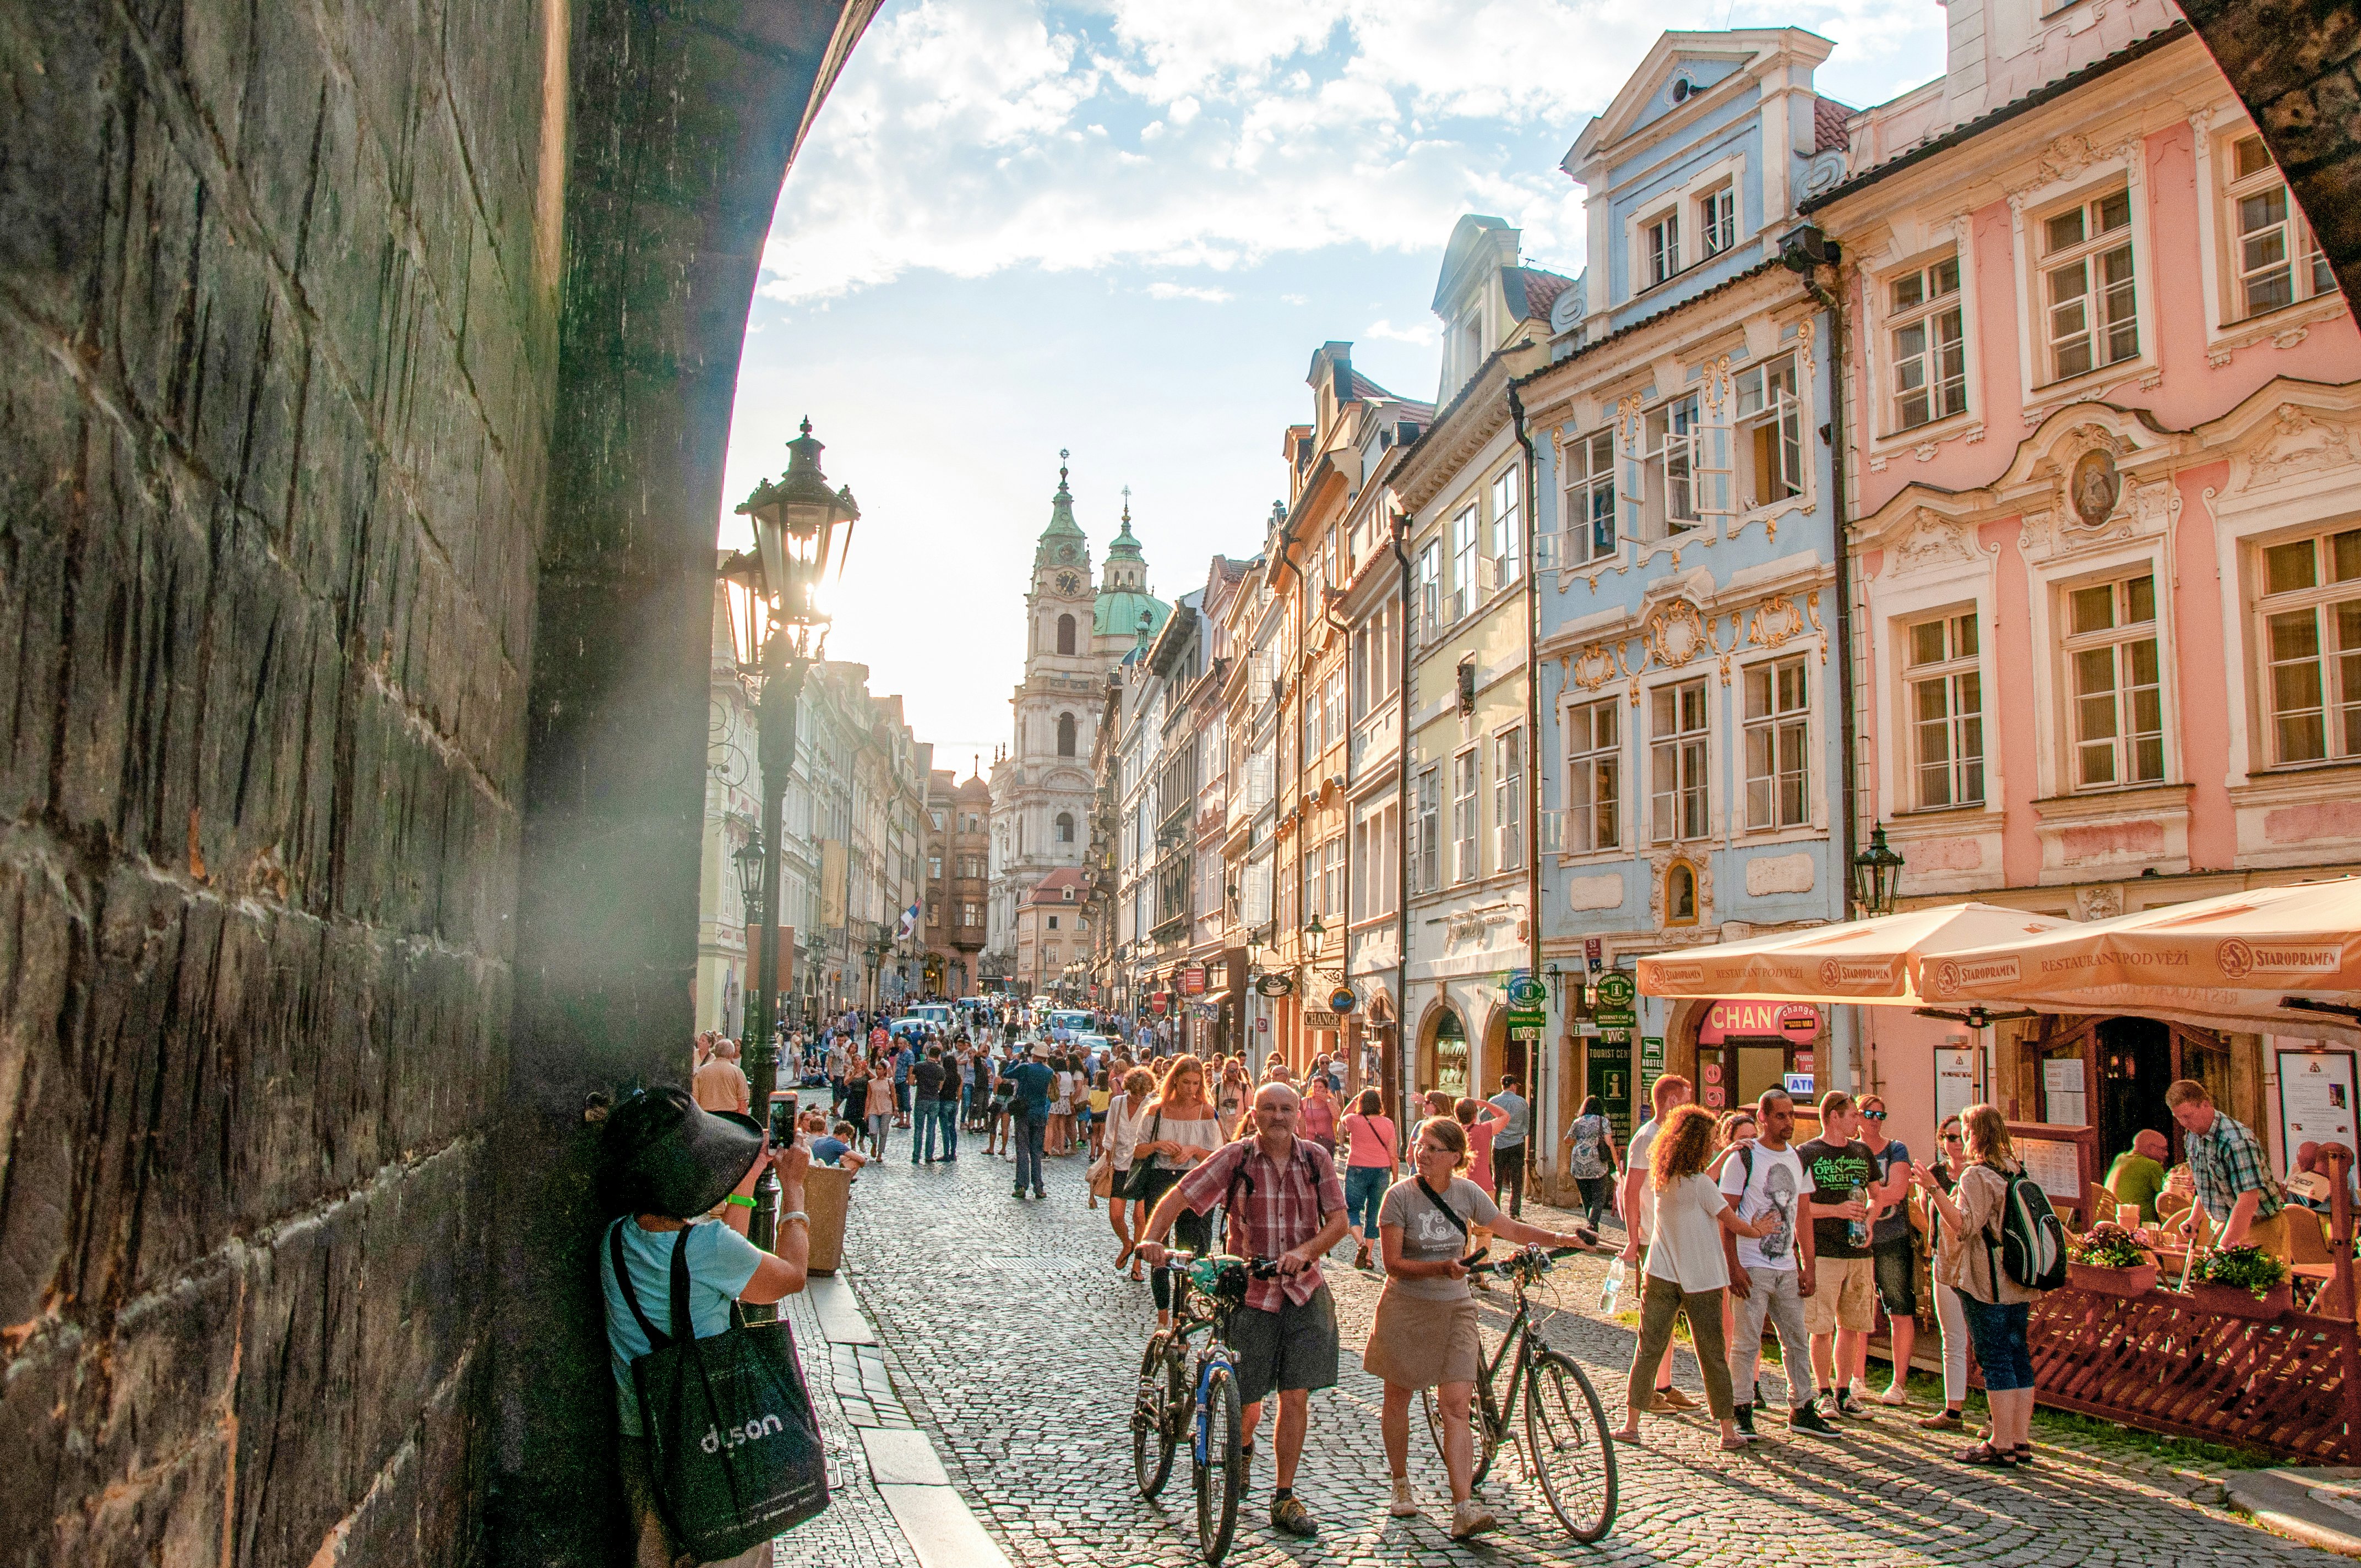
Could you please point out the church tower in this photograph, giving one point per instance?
(1125, 609)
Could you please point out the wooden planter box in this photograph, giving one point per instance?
(2136, 1280)
(2231, 1302)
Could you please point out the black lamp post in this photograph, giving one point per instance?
(798, 523)
(1875, 873)
(748, 859)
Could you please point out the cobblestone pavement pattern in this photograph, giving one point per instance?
(850, 1389)
(1012, 1338)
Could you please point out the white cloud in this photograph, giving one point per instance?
(1423, 334)
(1185, 292)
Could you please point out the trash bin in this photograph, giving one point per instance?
(827, 1190)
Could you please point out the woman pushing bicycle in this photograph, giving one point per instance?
(1424, 1336)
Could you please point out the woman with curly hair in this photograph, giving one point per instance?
(1685, 1268)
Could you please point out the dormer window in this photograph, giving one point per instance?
(1664, 248)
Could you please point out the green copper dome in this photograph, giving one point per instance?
(1119, 611)
(1063, 541)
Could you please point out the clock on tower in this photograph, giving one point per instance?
(1069, 584)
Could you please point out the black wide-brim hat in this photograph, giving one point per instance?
(666, 1155)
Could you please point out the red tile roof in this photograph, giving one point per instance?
(1829, 118)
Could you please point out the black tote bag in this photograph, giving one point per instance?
(732, 1442)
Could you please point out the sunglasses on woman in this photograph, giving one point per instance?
(1872, 1115)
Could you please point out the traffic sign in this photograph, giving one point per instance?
(1616, 990)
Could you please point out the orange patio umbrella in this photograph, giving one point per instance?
(1873, 960)
(2279, 960)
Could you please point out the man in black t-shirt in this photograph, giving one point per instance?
(926, 1096)
(1840, 1299)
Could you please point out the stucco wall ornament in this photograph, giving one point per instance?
(1775, 621)
(1675, 633)
(2068, 156)
(2093, 487)
(1933, 542)
(1597, 664)
(2297, 443)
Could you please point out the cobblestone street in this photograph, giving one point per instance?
(1009, 1336)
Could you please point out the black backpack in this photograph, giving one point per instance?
(2032, 1245)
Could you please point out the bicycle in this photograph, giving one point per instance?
(1567, 1448)
(1177, 1390)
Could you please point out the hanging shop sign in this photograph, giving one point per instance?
(1342, 1000)
(1274, 984)
(1314, 1019)
(1192, 980)
(1617, 989)
(1524, 991)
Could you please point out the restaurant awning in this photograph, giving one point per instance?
(1871, 961)
(2283, 960)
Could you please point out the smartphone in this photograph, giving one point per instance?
(783, 1118)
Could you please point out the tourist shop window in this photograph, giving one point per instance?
(1717, 221)
(2311, 636)
(1463, 563)
(1663, 237)
(2118, 690)
(1778, 744)
(1430, 592)
(2275, 259)
(2087, 286)
(1928, 335)
(1677, 761)
(1669, 502)
(1425, 850)
(1463, 814)
(1508, 800)
(1947, 711)
(1594, 773)
(1590, 499)
(1508, 527)
(1771, 431)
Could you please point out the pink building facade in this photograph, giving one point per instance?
(2104, 497)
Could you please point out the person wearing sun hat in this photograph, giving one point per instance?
(665, 1161)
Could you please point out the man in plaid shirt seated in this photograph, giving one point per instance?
(1285, 1203)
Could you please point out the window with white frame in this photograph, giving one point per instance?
(1717, 221)
(1332, 878)
(2311, 609)
(2275, 259)
(1677, 755)
(1374, 848)
(1331, 702)
(1778, 744)
(2088, 290)
(1508, 800)
(1462, 816)
(1929, 334)
(2116, 684)
(1426, 835)
(1463, 563)
(1945, 695)
(1664, 248)
(1669, 499)
(1508, 527)
(1430, 592)
(1594, 777)
(1590, 499)
(1770, 431)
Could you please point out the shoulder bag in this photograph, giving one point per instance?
(732, 1441)
(1139, 1181)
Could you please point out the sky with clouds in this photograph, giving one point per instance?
(1122, 228)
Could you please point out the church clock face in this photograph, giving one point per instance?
(1068, 583)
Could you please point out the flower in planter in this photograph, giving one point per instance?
(2108, 1245)
(2247, 1269)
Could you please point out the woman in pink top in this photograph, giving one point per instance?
(1317, 1118)
(1368, 1167)
(1483, 1120)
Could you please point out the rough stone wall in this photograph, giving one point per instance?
(279, 334)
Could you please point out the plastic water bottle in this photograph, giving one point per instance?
(1857, 1231)
(1616, 1274)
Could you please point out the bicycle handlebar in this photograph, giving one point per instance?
(1524, 1257)
(1256, 1267)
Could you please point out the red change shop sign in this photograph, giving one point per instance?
(1758, 1020)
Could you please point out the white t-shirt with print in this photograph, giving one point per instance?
(1775, 1184)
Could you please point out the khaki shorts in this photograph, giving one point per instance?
(1844, 1296)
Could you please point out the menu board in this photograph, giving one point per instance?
(1955, 1082)
(2315, 1100)
(2062, 1088)
(2056, 1167)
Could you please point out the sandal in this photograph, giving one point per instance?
(1985, 1453)
(1124, 1255)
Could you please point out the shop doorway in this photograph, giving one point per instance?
(1446, 1056)
(2135, 1070)
(2111, 1074)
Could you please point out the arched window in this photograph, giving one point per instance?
(1065, 634)
(1065, 735)
(1066, 825)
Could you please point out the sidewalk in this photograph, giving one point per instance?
(891, 1503)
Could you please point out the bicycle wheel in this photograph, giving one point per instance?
(1483, 1436)
(1222, 1469)
(1566, 1433)
(1155, 1415)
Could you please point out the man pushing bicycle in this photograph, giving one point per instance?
(1285, 1202)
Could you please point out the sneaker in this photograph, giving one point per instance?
(1848, 1406)
(1290, 1514)
(1471, 1519)
(1680, 1400)
(1038, 1193)
(1018, 1192)
(1894, 1395)
(1745, 1417)
(1405, 1505)
(1660, 1404)
(1944, 1421)
(1808, 1418)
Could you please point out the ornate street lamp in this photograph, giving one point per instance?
(748, 859)
(798, 524)
(1875, 873)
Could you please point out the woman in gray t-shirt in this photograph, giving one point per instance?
(1424, 1336)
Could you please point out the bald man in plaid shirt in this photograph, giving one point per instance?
(1285, 1203)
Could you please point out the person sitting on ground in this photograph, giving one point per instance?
(665, 1161)
(836, 1149)
(2138, 1175)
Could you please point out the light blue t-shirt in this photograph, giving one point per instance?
(720, 1262)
